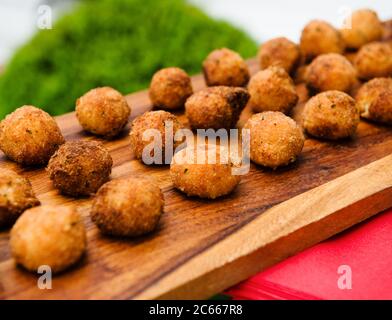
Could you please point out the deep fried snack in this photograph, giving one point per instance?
(275, 139)
(319, 37)
(80, 168)
(48, 235)
(216, 107)
(331, 115)
(170, 88)
(128, 207)
(374, 100)
(224, 67)
(331, 71)
(16, 196)
(272, 89)
(29, 136)
(361, 27)
(103, 112)
(279, 52)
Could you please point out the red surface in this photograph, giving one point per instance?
(313, 274)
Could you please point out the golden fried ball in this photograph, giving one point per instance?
(80, 168)
(374, 100)
(275, 139)
(224, 67)
(170, 88)
(362, 27)
(16, 196)
(128, 207)
(103, 112)
(29, 136)
(279, 52)
(331, 71)
(48, 235)
(331, 115)
(194, 172)
(374, 60)
(272, 89)
(216, 107)
(319, 37)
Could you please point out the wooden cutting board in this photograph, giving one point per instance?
(203, 247)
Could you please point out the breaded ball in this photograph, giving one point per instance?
(362, 27)
(374, 60)
(374, 100)
(16, 196)
(331, 71)
(224, 67)
(30, 136)
(279, 52)
(170, 88)
(80, 168)
(275, 139)
(216, 107)
(272, 89)
(48, 235)
(103, 112)
(128, 207)
(319, 37)
(205, 171)
(331, 115)
(155, 120)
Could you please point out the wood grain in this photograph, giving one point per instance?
(202, 247)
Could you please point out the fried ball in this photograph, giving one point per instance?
(319, 37)
(331, 115)
(224, 67)
(275, 139)
(279, 52)
(362, 27)
(194, 172)
(29, 136)
(374, 100)
(170, 88)
(272, 89)
(153, 120)
(16, 196)
(80, 168)
(216, 107)
(331, 71)
(374, 60)
(48, 235)
(128, 207)
(103, 112)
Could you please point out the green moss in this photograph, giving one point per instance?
(119, 43)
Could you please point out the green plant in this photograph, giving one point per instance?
(119, 43)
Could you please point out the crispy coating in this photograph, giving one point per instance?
(275, 139)
(16, 196)
(224, 67)
(194, 172)
(170, 88)
(331, 71)
(374, 60)
(128, 207)
(272, 89)
(48, 235)
(80, 168)
(103, 112)
(362, 27)
(279, 52)
(374, 100)
(216, 107)
(319, 37)
(331, 115)
(30, 136)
